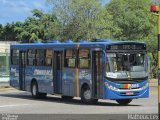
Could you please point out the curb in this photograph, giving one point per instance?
(4, 85)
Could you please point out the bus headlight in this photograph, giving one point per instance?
(145, 86)
(110, 87)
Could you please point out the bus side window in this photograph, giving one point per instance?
(31, 57)
(70, 58)
(14, 57)
(84, 59)
(40, 57)
(48, 57)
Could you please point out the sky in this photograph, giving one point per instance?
(19, 10)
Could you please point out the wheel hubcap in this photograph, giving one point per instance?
(87, 94)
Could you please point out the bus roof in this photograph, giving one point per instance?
(100, 43)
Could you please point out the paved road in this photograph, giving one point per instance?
(17, 102)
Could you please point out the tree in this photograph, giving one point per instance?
(132, 18)
(1, 32)
(81, 19)
(7, 32)
(39, 27)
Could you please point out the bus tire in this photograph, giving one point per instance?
(67, 97)
(124, 101)
(95, 101)
(86, 96)
(42, 95)
(35, 93)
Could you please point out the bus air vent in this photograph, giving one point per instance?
(101, 40)
(83, 41)
(37, 42)
(68, 41)
(53, 41)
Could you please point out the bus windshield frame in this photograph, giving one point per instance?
(124, 65)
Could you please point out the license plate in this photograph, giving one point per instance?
(129, 93)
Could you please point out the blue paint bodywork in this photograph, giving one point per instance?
(68, 81)
(14, 76)
(111, 94)
(45, 81)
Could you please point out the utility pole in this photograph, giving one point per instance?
(155, 11)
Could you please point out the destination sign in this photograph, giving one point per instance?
(126, 47)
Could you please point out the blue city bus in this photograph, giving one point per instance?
(102, 69)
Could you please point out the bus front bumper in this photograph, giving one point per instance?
(113, 94)
(110, 94)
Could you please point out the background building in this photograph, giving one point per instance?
(4, 60)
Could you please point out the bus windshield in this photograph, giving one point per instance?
(124, 65)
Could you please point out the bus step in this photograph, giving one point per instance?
(57, 94)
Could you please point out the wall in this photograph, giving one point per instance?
(4, 60)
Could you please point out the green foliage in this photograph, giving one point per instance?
(1, 31)
(132, 17)
(40, 26)
(82, 19)
(7, 32)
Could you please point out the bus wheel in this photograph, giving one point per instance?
(67, 97)
(86, 96)
(124, 101)
(35, 93)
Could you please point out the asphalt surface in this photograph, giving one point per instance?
(19, 102)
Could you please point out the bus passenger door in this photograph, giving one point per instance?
(97, 79)
(57, 72)
(22, 65)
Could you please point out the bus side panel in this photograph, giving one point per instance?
(68, 81)
(84, 76)
(43, 76)
(29, 77)
(14, 76)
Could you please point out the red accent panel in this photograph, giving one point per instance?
(125, 86)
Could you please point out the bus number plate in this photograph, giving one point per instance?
(129, 93)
